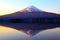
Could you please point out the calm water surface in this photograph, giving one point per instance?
(11, 31)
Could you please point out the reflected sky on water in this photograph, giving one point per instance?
(7, 33)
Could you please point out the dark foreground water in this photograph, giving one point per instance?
(23, 31)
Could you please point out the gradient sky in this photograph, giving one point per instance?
(9, 6)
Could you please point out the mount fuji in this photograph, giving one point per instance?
(31, 12)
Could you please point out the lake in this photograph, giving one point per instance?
(26, 31)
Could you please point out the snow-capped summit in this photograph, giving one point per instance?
(31, 9)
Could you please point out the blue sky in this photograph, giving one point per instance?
(38, 3)
(47, 5)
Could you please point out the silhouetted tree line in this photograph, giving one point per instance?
(36, 20)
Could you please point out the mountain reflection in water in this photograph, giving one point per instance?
(30, 29)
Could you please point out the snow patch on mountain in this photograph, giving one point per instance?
(31, 9)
